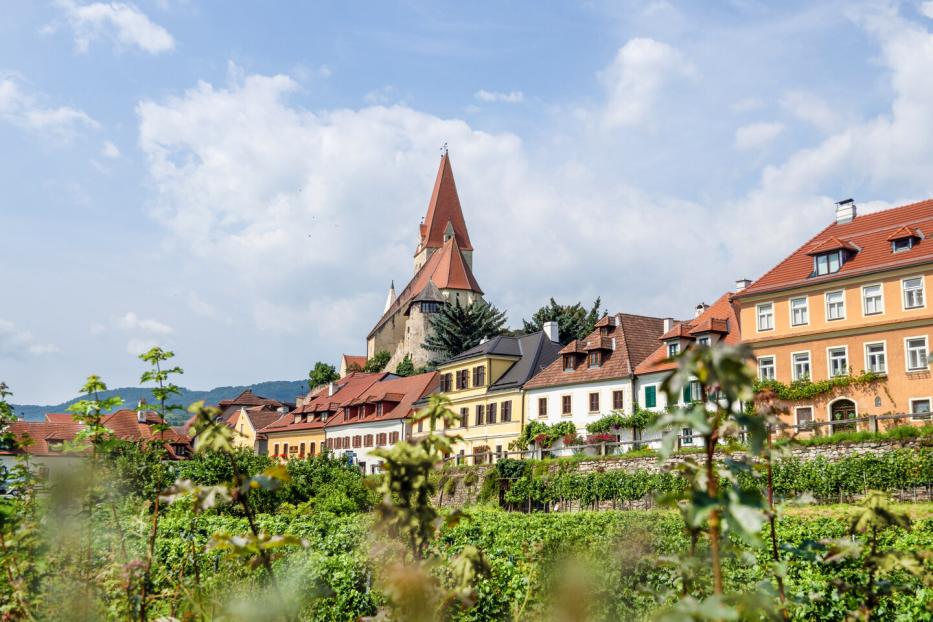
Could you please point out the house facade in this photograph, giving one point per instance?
(443, 273)
(377, 418)
(594, 376)
(485, 388)
(852, 299)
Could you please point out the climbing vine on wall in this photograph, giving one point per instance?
(808, 389)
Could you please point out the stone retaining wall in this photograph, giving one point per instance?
(458, 494)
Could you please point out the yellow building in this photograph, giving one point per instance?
(484, 385)
(852, 299)
(248, 421)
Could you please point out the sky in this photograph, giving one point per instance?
(239, 182)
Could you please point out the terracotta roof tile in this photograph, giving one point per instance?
(443, 208)
(832, 243)
(635, 338)
(870, 233)
(398, 392)
(347, 389)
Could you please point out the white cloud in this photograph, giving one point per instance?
(926, 8)
(109, 150)
(124, 23)
(22, 108)
(812, 109)
(635, 80)
(16, 343)
(512, 97)
(756, 135)
(132, 322)
(747, 104)
(137, 346)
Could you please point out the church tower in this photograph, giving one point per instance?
(443, 264)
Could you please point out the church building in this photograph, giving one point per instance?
(443, 273)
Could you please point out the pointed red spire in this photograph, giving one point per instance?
(444, 208)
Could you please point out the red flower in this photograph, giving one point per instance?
(601, 438)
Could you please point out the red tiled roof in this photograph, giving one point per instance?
(349, 359)
(446, 268)
(720, 317)
(403, 392)
(679, 329)
(248, 398)
(40, 433)
(259, 417)
(831, 243)
(347, 389)
(635, 338)
(444, 208)
(903, 232)
(870, 233)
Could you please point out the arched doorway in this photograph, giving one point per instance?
(842, 410)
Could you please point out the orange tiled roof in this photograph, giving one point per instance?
(679, 329)
(444, 208)
(832, 243)
(347, 389)
(40, 433)
(720, 317)
(446, 269)
(870, 233)
(403, 392)
(635, 338)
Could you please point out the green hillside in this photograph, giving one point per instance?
(282, 390)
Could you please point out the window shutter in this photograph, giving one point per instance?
(687, 393)
(651, 397)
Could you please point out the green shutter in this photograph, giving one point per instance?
(651, 397)
(687, 393)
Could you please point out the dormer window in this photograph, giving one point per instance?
(568, 362)
(827, 263)
(379, 409)
(595, 358)
(673, 349)
(903, 244)
(703, 341)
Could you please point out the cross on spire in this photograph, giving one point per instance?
(444, 149)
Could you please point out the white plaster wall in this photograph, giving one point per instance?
(362, 429)
(580, 401)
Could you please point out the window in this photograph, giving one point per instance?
(463, 378)
(838, 361)
(275, 450)
(393, 438)
(765, 316)
(801, 365)
(835, 305)
(901, 244)
(368, 440)
(421, 426)
(692, 392)
(506, 411)
(686, 436)
(491, 412)
(285, 450)
(827, 263)
(381, 439)
(379, 409)
(872, 300)
(673, 349)
(479, 376)
(301, 450)
(542, 407)
(446, 383)
(568, 362)
(651, 396)
(480, 414)
(804, 415)
(913, 292)
(430, 307)
(594, 358)
(920, 408)
(357, 441)
(464, 417)
(594, 402)
(916, 348)
(311, 449)
(875, 358)
(799, 311)
(617, 401)
(565, 405)
(703, 341)
(766, 368)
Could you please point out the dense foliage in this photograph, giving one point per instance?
(573, 321)
(377, 362)
(321, 374)
(456, 327)
(806, 389)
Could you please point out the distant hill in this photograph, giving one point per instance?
(281, 390)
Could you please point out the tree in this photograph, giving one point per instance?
(321, 375)
(405, 367)
(573, 321)
(456, 328)
(378, 362)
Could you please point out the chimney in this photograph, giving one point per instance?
(700, 309)
(331, 388)
(550, 329)
(668, 323)
(741, 284)
(140, 413)
(845, 211)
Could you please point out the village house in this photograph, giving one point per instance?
(443, 266)
(484, 385)
(854, 298)
(713, 324)
(593, 376)
(378, 417)
(246, 414)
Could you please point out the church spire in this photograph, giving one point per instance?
(444, 212)
(391, 297)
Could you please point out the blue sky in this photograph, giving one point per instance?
(240, 181)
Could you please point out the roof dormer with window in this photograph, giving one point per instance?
(904, 239)
(830, 254)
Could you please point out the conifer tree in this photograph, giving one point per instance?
(573, 321)
(456, 328)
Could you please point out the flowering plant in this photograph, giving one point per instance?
(602, 437)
